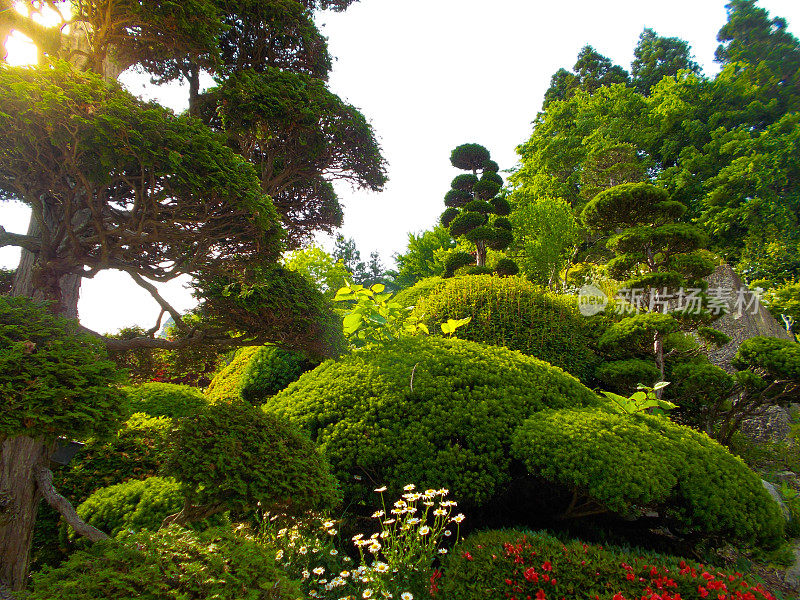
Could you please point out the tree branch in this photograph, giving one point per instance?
(191, 513)
(165, 306)
(28, 242)
(44, 479)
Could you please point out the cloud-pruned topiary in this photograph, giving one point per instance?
(165, 399)
(169, 564)
(54, 380)
(132, 506)
(233, 456)
(258, 372)
(434, 411)
(631, 463)
(512, 312)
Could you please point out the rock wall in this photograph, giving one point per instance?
(746, 317)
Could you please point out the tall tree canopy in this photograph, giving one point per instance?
(591, 71)
(724, 146)
(216, 194)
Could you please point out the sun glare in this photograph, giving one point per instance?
(20, 48)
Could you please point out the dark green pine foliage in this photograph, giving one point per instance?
(591, 71)
(475, 209)
(655, 254)
(656, 57)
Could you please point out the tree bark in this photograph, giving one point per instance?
(21, 456)
(19, 501)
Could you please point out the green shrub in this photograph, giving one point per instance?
(54, 380)
(631, 463)
(170, 564)
(623, 376)
(512, 312)
(257, 372)
(233, 456)
(165, 399)
(438, 412)
(518, 564)
(132, 506)
(137, 451)
(410, 296)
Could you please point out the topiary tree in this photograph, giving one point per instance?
(435, 411)
(258, 372)
(631, 463)
(233, 456)
(56, 382)
(475, 211)
(657, 258)
(512, 312)
(169, 564)
(165, 399)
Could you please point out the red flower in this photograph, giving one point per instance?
(467, 555)
(702, 591)
(540, 595)
(618, 596)
(531, 575)
(630, 576)
(547, 566)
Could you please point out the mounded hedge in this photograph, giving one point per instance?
(411, 295)
(433, 411)
(258, 372)
(137, 451)
(132, 506)
(523, 564)
(233, 456)
(165, 399)
(512, 312)
(170, 564)
(629, 463)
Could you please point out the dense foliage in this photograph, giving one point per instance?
(165, 399)
(514, 313)
(54, 380)
(233, 456)
(436, 411)
(258, 372)
(132, 506)
(170, 564)
(525, 564)
(137, 451)
(691, 480)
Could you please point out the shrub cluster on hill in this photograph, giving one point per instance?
(512, 312)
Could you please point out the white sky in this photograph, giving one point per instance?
(431, 75)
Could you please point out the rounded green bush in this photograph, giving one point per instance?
(165, 399)
(455, 260)
(137, 451)
(465, 222)
(469, 157)
(448, 215)
(234, 456)
(411, 295)
(257, 372)
(632, 463)
(436, 412)
(132, 506)
(456, 198)
(514, 563)
(512, 312)
(169, 564)
(623, 376)
(506, 267)
(54, 380)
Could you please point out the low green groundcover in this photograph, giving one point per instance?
(169, 564)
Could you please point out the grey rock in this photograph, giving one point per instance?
(773, 425)
(742, 321)
(772, 490)
(792, 574)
